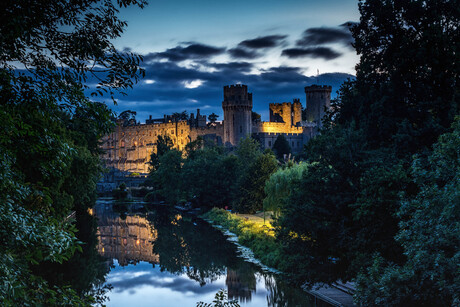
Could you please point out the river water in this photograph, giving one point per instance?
(164, 258)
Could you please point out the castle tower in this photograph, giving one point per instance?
(237, 106)
(296, 112)
(318, 97)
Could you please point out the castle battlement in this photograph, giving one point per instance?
(315, 87)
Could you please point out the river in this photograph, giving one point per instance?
(164, 258)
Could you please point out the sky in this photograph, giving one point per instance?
(192, 49)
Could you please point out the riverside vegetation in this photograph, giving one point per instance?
(49, 132)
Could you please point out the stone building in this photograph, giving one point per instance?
(129, 146)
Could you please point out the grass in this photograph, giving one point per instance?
(253, 234)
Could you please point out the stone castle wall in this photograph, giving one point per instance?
(129, 147)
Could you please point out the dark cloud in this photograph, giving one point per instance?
(269, 41)
(320, 36)
(167, 94)
(243, 53)
(180, 53)
(313, 52)
(240, 66)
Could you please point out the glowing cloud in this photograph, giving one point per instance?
(193, 84)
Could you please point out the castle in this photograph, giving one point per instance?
(129, 146)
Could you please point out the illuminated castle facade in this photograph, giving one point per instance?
(129, 146)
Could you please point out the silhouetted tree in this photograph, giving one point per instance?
(281, 146)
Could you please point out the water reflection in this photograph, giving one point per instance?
(127, 240)
(178, 260)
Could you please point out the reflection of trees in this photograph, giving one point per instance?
(241, 282)
(183, 250)
(282, 294)
(85, 271)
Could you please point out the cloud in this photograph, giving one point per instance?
(313, 52)
(321, 36)
(269, 41)
(130, 282)
(193, 84)
(243, 53)
(168, 94)
(240, 66)
(180, 53)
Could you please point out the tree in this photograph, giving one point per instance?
(253, 183)
(127, 117)
(247, 151)
(49, 52)
(209, 177)
(213, 117)
(163, 145)
(220, 300)
(406, 91)
(281, 147)
(279, 186)
(429, 232)
(168, 176)
(180, 116)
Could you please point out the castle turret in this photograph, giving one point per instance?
(296, 112)
(237, 106)
(318, 98)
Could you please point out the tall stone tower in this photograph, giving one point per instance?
(296, 112)
(237, 107)
(318, 97)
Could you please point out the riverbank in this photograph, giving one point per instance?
(257, 235)
(252, 234)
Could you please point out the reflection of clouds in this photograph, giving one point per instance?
(128, 280)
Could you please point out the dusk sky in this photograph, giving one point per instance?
(192, 49)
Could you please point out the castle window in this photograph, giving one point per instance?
(298, 144)
(269, 143)
(172, 131)
(292, 143)
(182, 131)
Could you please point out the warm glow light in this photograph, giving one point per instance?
(138, 241)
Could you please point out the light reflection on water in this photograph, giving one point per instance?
(166, 259)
